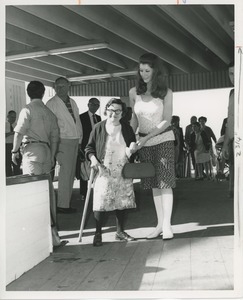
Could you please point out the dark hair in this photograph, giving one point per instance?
(61, 78)
(159, 86)
(35, 89)
(197, 124)
(116, 101)
(175, 118)
(12, 112)
(92, 99)
(202, 118)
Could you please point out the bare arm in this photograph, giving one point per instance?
(134, 120)
(16, 144)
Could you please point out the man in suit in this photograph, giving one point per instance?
(188, 138)
(88, 120)
(179, 146)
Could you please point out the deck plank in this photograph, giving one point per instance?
(208, 265)
(226, 247)
(174, 268)
(139, 273)
(75, 267)
(107, 273)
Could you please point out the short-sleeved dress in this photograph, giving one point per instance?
(160, 149)
(111, 190)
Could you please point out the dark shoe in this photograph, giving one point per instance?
(123, 236)
(68, 210)
(97, 241)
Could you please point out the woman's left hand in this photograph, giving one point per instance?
(141, 142)
(133, 147)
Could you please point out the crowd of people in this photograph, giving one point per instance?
(57, 133)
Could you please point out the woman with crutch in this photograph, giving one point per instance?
(110, 146)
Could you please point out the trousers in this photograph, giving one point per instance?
(66, 157)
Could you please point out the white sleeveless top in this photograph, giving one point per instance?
(149, 115)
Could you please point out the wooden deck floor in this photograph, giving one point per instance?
(200, 257)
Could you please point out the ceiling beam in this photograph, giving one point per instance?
(87, 46)
(42, 66)
(9, 66)
(27, 78)
(37, 39)
(188, 20)
(150, 19)
(63, 63)
(15, 46)
(24, 17)
(103, 75)
(28, 39)
(107, 18)
(86, 60)
(81, 28)
(221, 16)
(108, 56)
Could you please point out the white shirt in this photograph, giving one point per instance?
(68, 128)
(91, 119)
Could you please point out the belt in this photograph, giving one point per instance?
(142, 134)
(167, 129)
(31, 142)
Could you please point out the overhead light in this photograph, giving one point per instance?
(58, 51)
(25, 55)
(89, 47)
(103, 75)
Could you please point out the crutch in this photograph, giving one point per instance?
(91, 177)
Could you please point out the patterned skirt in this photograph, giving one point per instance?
(163, 158)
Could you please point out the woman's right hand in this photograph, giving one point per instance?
(94, 163)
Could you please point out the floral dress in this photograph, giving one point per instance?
(111, 190)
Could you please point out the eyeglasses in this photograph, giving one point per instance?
(117, 111)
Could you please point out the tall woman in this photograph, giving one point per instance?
(151, 101)
(110, 146)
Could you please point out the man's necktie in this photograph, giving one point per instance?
(69, 107)
(94, 119)
(11, 128)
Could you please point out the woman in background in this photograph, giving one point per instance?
(201, 144)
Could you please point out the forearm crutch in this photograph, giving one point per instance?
(91, 177)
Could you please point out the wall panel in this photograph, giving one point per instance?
(177, 82)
